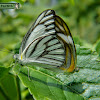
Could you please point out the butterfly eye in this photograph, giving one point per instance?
(48, 42)
(16, 56)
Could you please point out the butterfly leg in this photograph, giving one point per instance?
(28, 73)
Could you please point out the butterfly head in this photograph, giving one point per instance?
(16, 57)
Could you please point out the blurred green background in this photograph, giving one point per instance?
(82, 17)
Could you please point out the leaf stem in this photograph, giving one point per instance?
(18, 88)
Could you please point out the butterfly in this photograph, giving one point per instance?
(48, 44)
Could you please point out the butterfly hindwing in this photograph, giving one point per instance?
(64, 35)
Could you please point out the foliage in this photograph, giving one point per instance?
(44, 84)
(83, 19)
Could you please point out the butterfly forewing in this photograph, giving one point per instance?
(49, 41)
(39, 28)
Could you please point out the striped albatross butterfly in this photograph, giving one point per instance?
(48, 44)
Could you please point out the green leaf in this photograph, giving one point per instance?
(80, 50)
(3, 72)
(98, 47)
(43, 85)
(8, 89)
(9, 84)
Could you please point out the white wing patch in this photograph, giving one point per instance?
(50, 32)
(67, 39)
(50, 26)
(53, 42)
(64, 37)
(58, 51)
(38, 52)
(37, 32)
(39, 18)
(70, 40)
(43, 41)
(58, 57)
(54, 47)
(49, 22)
(49, 61)
(46, 18)
(48, 12)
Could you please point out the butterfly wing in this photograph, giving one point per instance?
(64, 35)
(47, 50)
(49, 42)
(41, 26)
